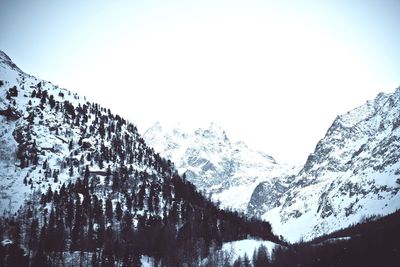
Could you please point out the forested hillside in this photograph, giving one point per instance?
(80, 187)
(373, 242)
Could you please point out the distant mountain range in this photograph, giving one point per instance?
(228, 171)
(353, 173)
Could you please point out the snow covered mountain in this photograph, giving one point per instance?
(27, 137)
(58, 151)
(353, 173)
(227, 170)
(79, 186)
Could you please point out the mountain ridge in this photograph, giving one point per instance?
(227, 170)
(350, 175)
(79, 185)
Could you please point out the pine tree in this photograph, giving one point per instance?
(60, 236)
(90, 246)
(16, 232)
(118, 211)
(70, 213)
(246, 261)
(49, 194)
(87, 172)
(109, 210)
(260, 257)
(127, 229)
(33, 235)
(238, 262)
(44, 167)
(71, 170)
(116, 181)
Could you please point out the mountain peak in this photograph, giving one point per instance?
(213, 163)
(157, 127)
(4, 56)
(75, 172)
(213, 131)
(5, 59)
(352, 173)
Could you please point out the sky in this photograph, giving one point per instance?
(274, 74)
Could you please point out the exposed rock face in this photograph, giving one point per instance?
(227, 170)
(351, 174)
(267, 195)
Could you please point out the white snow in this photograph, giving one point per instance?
(52, 147)
(227, 170)
(239, 248)
(355, 179)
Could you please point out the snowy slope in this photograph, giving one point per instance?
(227, 170)
(246, 247)
(41, 137)
(12, 190)
(352, 174)
(76, 178)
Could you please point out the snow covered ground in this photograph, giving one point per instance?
(247, 247)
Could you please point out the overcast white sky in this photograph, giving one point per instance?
(272, 73)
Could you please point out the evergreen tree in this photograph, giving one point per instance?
(33, 235)
(87, 172)
(238, 262)
(118, 211)
(90, 239)
(246, 261)
(16, 232)
(260, 257)
(71, 170)
(109, 210)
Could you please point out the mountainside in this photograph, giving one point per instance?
(78, 185)
(228, 171)
(353, 173)
(373, 242)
